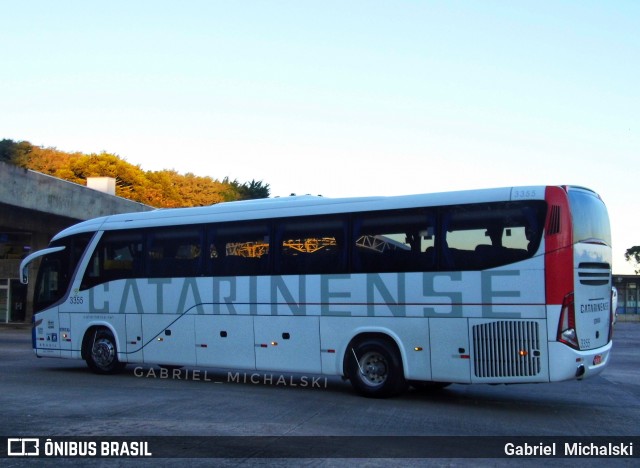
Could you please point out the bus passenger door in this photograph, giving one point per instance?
(287, 343)
(47, 334)
(64, 335)
(450, 353)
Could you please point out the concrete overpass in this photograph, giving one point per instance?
(33, 208)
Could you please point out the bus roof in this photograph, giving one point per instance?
(293, 206)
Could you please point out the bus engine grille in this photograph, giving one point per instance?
(506, 349)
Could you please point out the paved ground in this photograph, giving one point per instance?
(53, 397)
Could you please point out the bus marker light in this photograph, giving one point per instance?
(418, 348)
(523, 353)
(274, 343)
(160, 338)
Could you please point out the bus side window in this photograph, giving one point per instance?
(311, 246)
(175, 252)
(238, 249)
(398, 241)
(118, 255)
(491, 234)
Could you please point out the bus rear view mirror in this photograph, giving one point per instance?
(24, 264)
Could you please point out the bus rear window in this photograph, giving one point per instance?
(590, 218)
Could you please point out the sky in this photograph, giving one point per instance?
(339, 98)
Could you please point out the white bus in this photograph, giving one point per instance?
(507, 285)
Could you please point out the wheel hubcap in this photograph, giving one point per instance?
(375, 369)
(103, 352)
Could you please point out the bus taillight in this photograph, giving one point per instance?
(567, 326)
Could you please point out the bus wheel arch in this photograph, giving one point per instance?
(100, 350)
(373, 364)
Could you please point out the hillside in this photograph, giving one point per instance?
(161, 189)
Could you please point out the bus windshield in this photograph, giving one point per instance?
(56, 271)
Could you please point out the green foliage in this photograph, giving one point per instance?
(12, 152)
(161, 189)
(253, 189)
(633, 255)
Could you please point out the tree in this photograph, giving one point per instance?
(252, 190)
(633, 255)
(162, 189)
(13, 153)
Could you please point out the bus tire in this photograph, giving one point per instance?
(375, 368)
(102, 352)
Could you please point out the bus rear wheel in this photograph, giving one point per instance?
(375, 368)
(102, 353)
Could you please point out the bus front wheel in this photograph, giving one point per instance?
(375, 368)
(102, 354)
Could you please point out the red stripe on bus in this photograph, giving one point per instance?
(558, 246)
